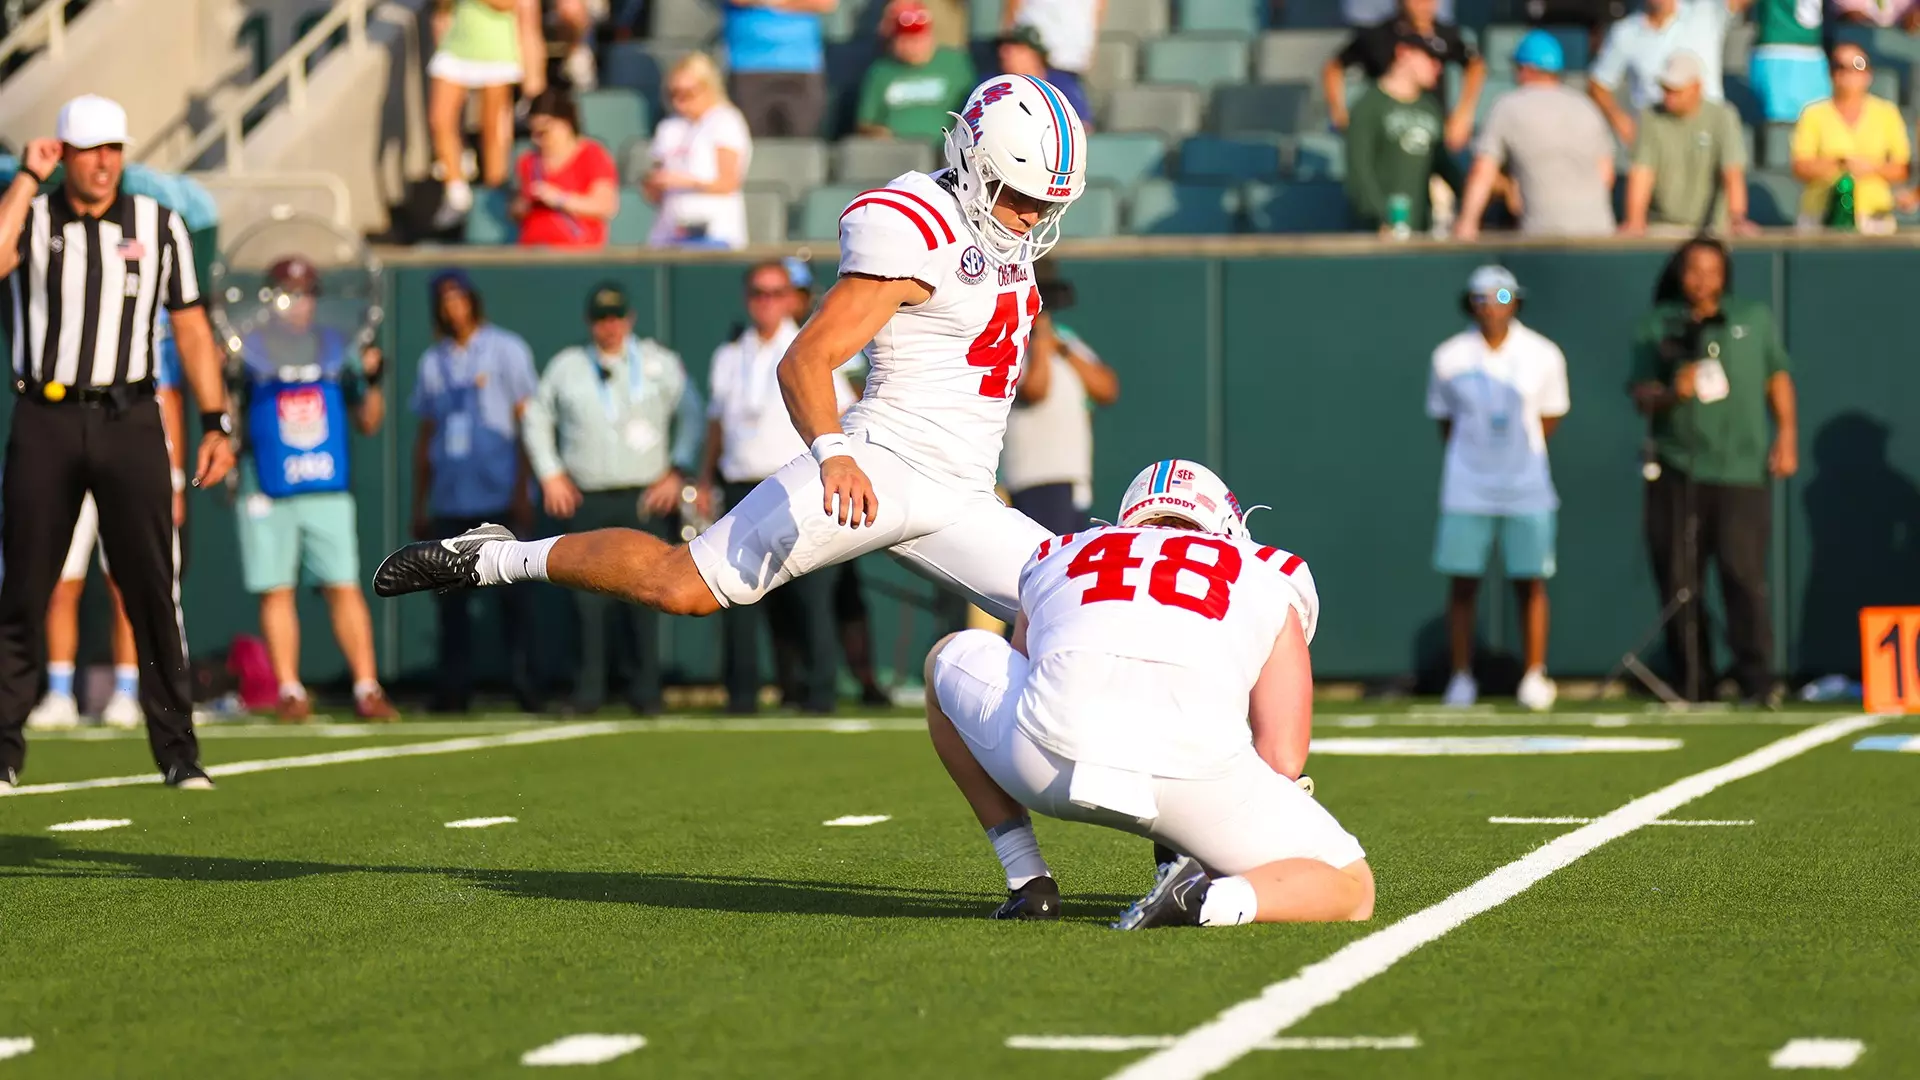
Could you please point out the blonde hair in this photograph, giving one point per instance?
(701, 66)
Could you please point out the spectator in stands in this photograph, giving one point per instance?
(1498, 389)
(951, 24)
(1068, 31)
(474, 384)
(1554, 142)
(1022, 52)
(1690, 162)
(1395, 142)
(749, 438)
(1852, 134)
(1047, 461)
(1636, 51)
(1886, 13)
(777, 63)
(612, 434)
(568, 187)
(573, 22)
(1372, 49)
(699, 162)
(483, 49)
(303, 387)
(910, 92)
(1788, 68)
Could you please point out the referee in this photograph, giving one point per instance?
(90, 267)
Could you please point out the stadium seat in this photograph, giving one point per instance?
(634, 159)
(1095, 213)
(642, 65)
(876, 161)
(1738, 48)
(1741, 96)
(1773, 198)
(1319, 155)
(1125, 158)
(632, 223)
(1298, 207)
(847, 64)
(983, 19)
(820, 210)
(1498, 42)
(1231, 16)
(1295, 55)
(1162, 207)
(613, 116)
(792, 165)
(1776, 146)
(845, 22)
(1313, 14)
(1497, 87)
(766, 217)
(1196, 60)
(1170, 110)
(1230, 159)
(1115, 64)
(687, 20)
(1279, 107)
(1144, 19)
(488, 221)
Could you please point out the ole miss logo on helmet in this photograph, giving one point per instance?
(987, 97)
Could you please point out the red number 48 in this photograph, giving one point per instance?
(1109, 556)
(999, 346)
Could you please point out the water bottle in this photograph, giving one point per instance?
(1841, 216)
(1400, 216)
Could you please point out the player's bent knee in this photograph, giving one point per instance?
(1362, 874)
(933, 655)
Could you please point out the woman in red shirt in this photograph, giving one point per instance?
(568, 188)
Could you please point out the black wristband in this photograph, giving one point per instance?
(38, 180)
(373, 377)
(216, 421)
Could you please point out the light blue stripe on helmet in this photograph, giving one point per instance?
(1062, 130)
(1162, 473)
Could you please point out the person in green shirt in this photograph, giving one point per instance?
(1690, 159)
(908, 93)
(1709, 370)
(1395, 141)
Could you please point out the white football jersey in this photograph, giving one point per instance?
(1145, 643)
(944, 371)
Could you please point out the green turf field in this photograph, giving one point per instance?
(675, 881)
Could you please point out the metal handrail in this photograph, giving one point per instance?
(50, 17)
(290, 71)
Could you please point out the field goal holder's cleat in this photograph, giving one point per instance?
(1175, 898)
(440, 565)
(1037, 899)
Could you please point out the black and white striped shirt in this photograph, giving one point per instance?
(88, 290)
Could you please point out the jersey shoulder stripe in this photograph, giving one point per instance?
(946, 230)
(1287, 566)
(873, 198)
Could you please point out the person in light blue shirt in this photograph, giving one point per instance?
(777, 57)
(1625, 77)
(473, 388)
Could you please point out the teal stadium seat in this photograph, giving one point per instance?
(1094, 214)
(1164, 208)
(1249, 107)
(1296, 55)
(1172, 111)
(685, 20)
(642, 65)
(1776, 146)
(1125, 157)
(1298, 207)
(1230, 16)
(1773, 198)
(1230, 159)
(820, 210)
(488, 221)
(632, 223)
(1319, 155)
(614, 116)
(1146, 20)
(1498, 42)
(876, 161)
(1313, 14)
(792, 165)
(766, 217)
(1116, 63)
(1195, 60)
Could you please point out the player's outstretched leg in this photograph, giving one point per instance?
(628, 563)
(1289, 890)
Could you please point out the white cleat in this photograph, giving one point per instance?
(1537, 692)
(122, 712)
(1462, 691)
(56, 712)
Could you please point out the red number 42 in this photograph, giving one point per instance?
(1109, 556)
(998, 347)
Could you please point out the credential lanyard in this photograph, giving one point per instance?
(636, 382)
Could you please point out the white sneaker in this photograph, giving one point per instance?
(454, 205)
(55, 712)
(122, 712)
(580, 69)
(1537, 692)
(1462, 691)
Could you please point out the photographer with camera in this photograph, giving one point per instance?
(1708, 369)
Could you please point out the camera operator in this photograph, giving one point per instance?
(1708, 368)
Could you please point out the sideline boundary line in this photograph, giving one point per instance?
(1242, 1028)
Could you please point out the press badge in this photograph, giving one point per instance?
(1710, 381)
(641, 435)
(459, 435)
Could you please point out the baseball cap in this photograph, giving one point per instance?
(295, 274)
(91, 120)
(799, 274)
(1682, 69)
(607, 301)
(1540, 51)
(1492, 281)
(1025, 35)
(910, 18)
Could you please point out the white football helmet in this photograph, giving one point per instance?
(1019, 132)
(1186, 490)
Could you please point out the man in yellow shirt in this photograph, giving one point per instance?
(1854, 133)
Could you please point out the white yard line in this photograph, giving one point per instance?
(1818, 1054)
(1240, 1029)
(15, 1047)
(554, 733)
(1589, 821)
(1119, 1043)
(856, 820)
(481, 822)
(92, 824)
(583, 1050)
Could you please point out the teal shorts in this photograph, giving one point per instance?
(306, 539)
(1464, 546)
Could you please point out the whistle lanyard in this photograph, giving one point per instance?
(636, 382)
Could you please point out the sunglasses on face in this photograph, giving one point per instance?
(1852, 63)
(680, 93)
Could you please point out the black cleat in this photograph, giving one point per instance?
(1037, 899)
(1174, 901)
(188, 778)
(440, 565)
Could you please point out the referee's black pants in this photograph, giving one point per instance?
(1689, 522)
(56, 453)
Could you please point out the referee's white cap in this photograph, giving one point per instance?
(91, 120)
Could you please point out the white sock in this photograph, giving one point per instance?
(292, 690)
(1230, 902)
(1019, 851)
(365, 688)
(459, 195)
(505, 561)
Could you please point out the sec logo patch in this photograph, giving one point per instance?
(973, 266)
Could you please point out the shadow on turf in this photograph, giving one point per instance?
(39, 856)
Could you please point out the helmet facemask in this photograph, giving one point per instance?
(979, 188)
